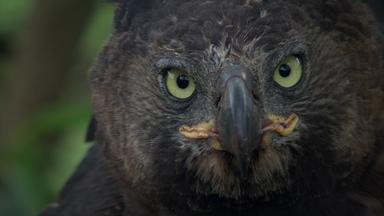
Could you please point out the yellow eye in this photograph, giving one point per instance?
(179, 84)
(289, 72)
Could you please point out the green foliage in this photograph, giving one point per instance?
(35, 171)
(51, 144)
(13, 14)
(98, 29)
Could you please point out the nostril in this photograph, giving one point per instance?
(217, 101)
(255, 96)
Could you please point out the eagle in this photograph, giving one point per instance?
(235, 107)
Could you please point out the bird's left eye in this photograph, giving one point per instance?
(289, 72)
(179, 84)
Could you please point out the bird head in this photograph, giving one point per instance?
(238, 100)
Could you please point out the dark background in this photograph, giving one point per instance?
(46, 50)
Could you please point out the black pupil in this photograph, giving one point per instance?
(284, 70)
(182, 81)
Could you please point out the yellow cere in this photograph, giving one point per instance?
(289, 72)
(179, 84)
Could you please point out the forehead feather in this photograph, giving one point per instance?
(198, 23)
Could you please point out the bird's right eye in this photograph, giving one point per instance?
(179, 84)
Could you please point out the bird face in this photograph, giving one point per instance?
(236, 99)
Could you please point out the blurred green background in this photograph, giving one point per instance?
(46, 50)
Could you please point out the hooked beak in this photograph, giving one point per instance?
(240, 118)
(241, 127)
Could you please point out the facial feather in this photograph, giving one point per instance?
(335, 137)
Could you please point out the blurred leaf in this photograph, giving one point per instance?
(36, 168)
(34, 177)
(13, 12)
(99, 29)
